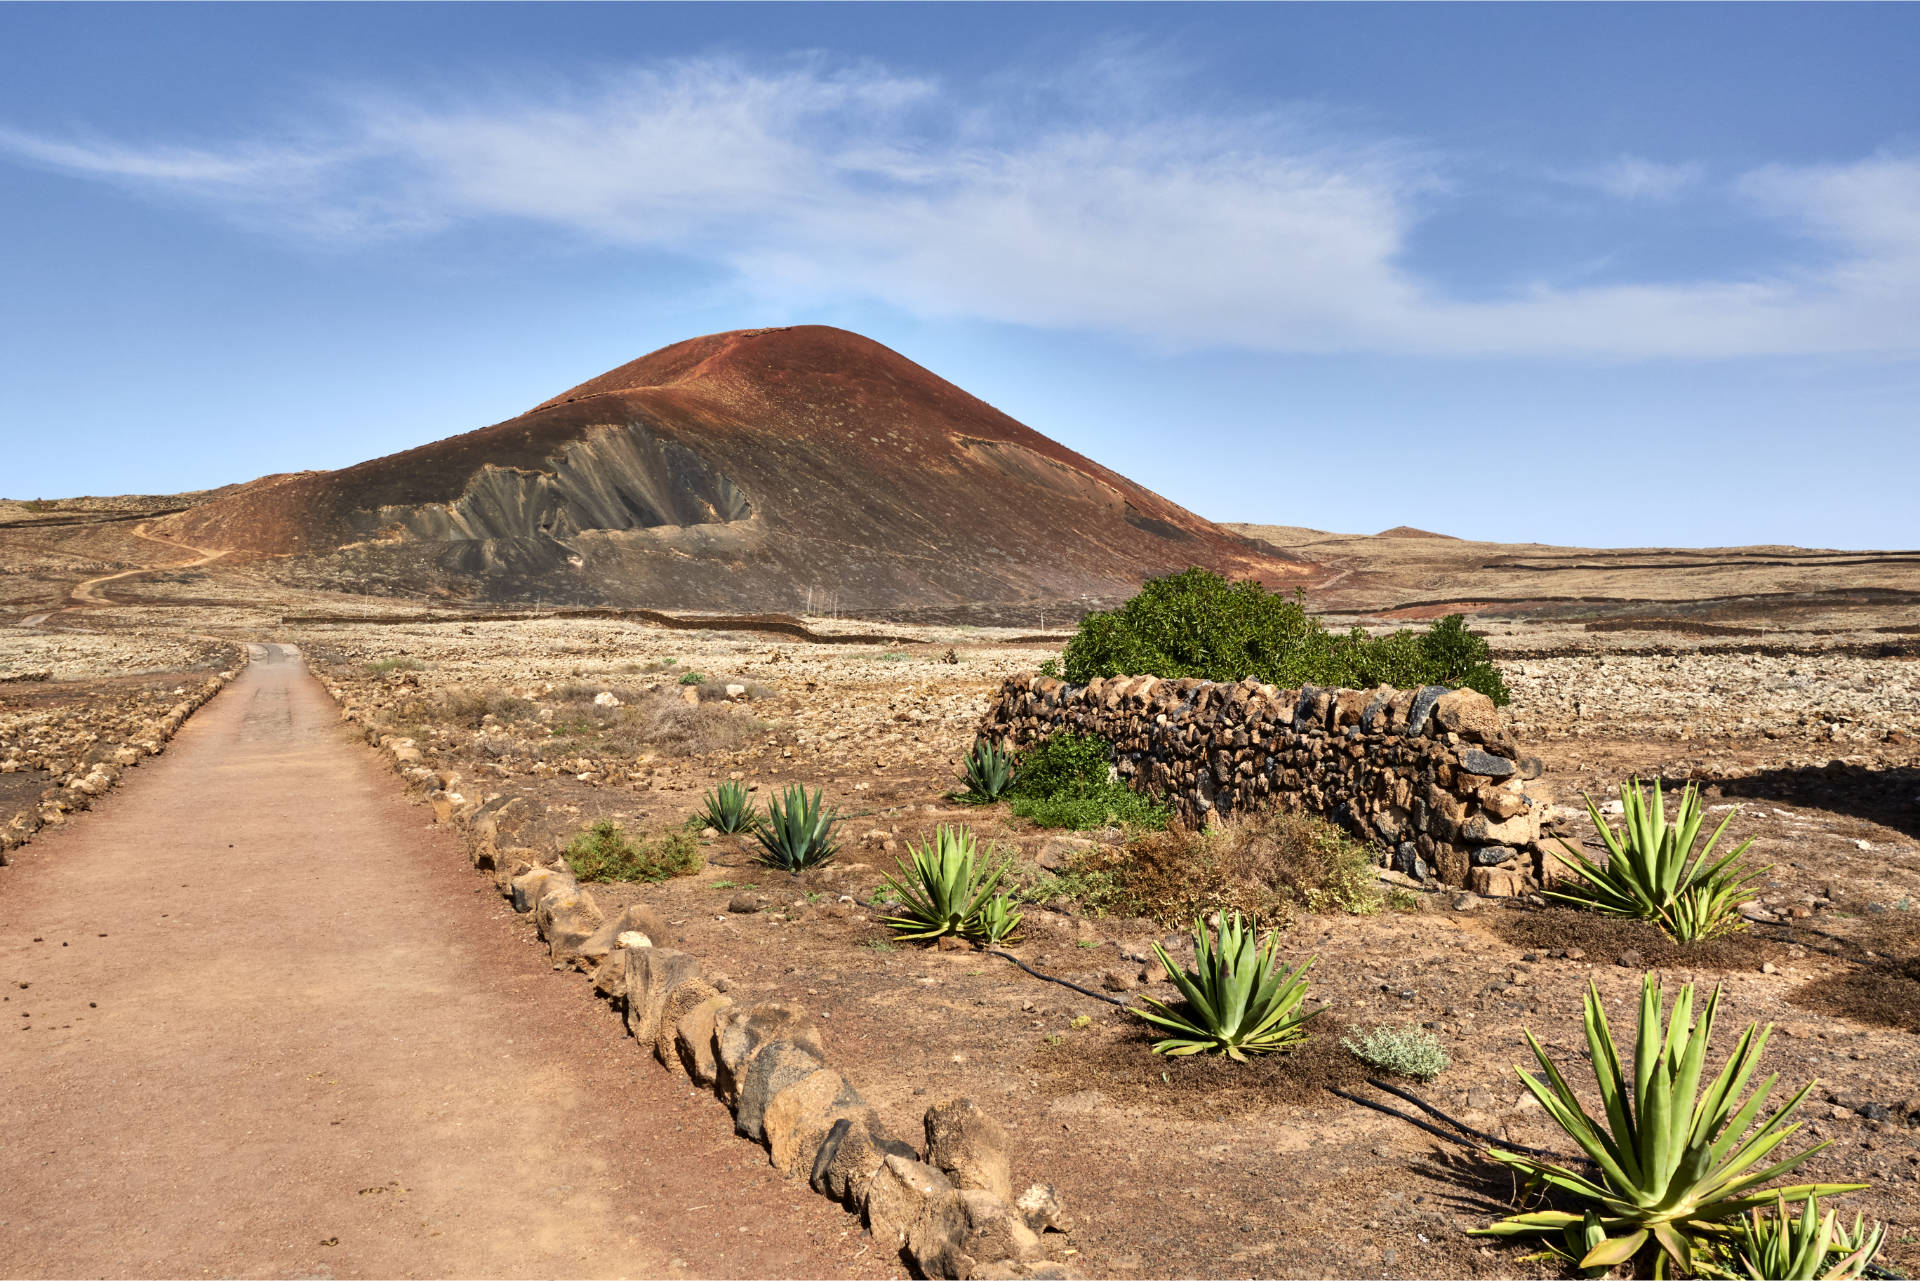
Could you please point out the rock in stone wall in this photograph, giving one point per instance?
(1431, 776)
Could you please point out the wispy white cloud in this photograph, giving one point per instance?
(1636, 178)
(1274, 231)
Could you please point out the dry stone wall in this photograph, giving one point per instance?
(1432, 777)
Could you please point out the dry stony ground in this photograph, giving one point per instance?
(76, 709)
(1211, 1169)
(1214, 1170)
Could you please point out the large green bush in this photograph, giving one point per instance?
(1196, 623)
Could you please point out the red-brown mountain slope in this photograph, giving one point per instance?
(737, 470)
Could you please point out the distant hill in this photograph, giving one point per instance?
(737, 470)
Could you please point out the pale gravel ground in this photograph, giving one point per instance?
(903, 699)
(1832, 699)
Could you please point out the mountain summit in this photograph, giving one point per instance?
(735, 471)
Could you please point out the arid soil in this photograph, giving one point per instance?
(1636, 597)
(1209, 1170)
(1183, 1175)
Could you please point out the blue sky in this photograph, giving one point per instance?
(1596, 274)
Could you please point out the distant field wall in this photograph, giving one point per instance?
(1431, 777)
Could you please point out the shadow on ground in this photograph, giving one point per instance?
(1887, 794)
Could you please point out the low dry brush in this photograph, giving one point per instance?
(1271, 864)
(605, 852)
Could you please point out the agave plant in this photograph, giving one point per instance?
(1239, 1000)
(1653, 872)
(945, 889)
(796, 833)
(728, 809)
(1671, 1166)
(1782, 1247)
(988, 770)
(997, 919)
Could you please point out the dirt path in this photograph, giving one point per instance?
(83, 593)
(260, 1020)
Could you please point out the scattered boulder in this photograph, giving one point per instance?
(527, 887)
(797, 1119)
(566, 916)
(1496, 882)
(693, 1039)
(1043, 1209)
(969, 1147)
(853, 1150)
(682, 998)
(740, 1033)
(900, 1191)
(652, 974)
(959, 1231)
(636, 918)
(773, 1068)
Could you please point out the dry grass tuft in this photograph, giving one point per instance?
(1270, 864)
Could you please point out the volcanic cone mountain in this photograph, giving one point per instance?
(735, 471)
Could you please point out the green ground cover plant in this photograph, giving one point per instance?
(1400, 1051)
(605, 852)
(1197, 623)
(1067, 780)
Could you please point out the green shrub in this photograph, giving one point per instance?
(1401, 1051)
(692, 678)
(604, 852)
(1067, 781)
(1197, 623)
(1670, 1167)
(381, 666)
(1653, 873)
(1239, 999)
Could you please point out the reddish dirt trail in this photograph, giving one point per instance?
(259, 1020)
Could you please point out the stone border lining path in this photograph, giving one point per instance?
(951, 1213)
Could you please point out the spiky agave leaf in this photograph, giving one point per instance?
(1652, 871)
(1671, 1166)
(944, 889)
(727, 808)
(988, 770)
(797, 832)
(1783, 1247)
(1239, 1000)
(997, 919)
